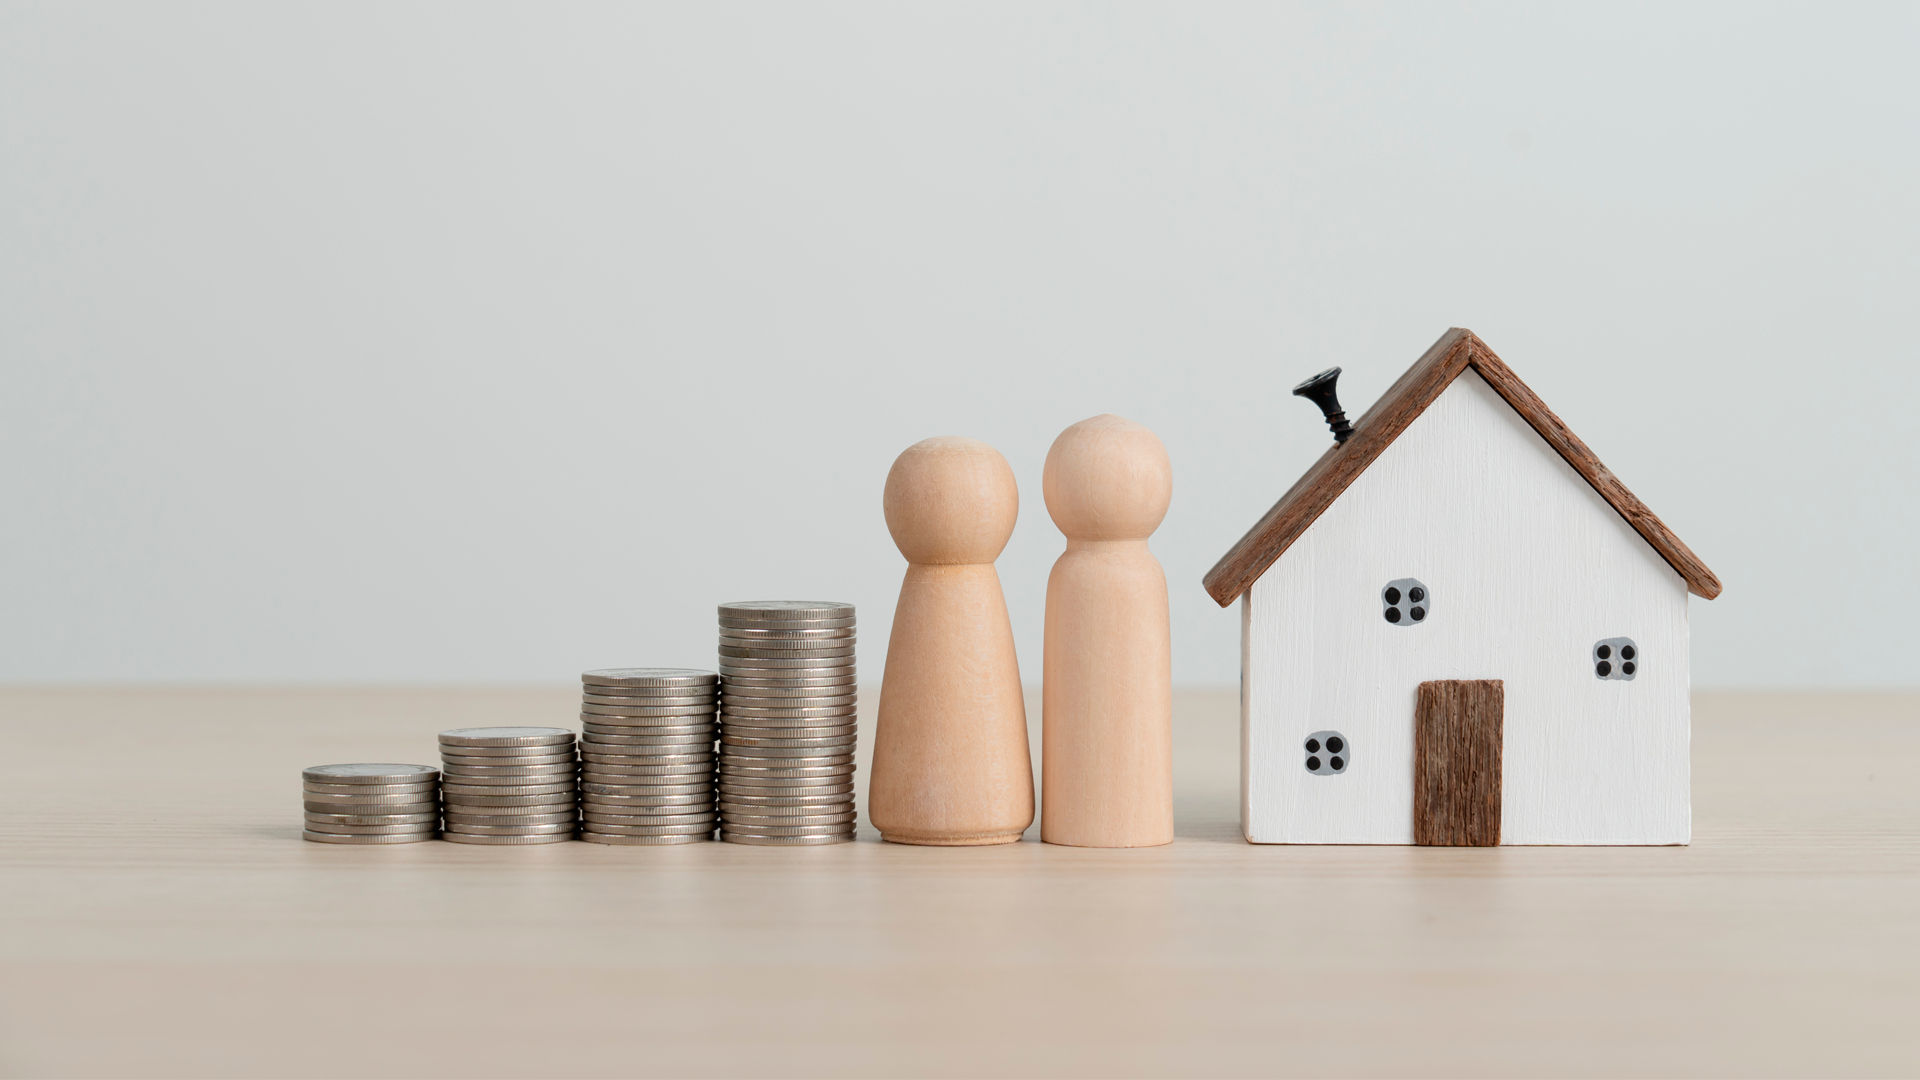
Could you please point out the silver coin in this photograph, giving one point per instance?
(506, 751)
(510, 819)
(620, 840)
(784, 785)
(775, 771)
(416, 799)
(506, 736)
(786, 609)
(839, 774)
(622, 727)
(499, 782)
(515, 755)
(788, 709)
(660, 816)
(565, 828)
(657, 759)
(641, 744)
(822, 697)
(705, 708)
(653, 830)
(844, 829)
(706, 817)
(753, 667)
(370, 774)
(504, 763)
(506, 841)
(646, 796)
(793, 633)
(606, 803)
(786, 757)
(455, 802)
(785, 796)
(651, 785)
(651, 791)
(731, 648)
(633, 701)
(553, 768)
(778, 680)
(366, 838)
(785, 841)
(740, 622)
(642, 826)
(644, 765)
(799, 669)
(639, 693)
(373, 830)
(636, 725)
(800, 726)
(769, 697)
(797, 701)
(641, 727)
(793, 731)
(647, 677)
(787, 648)
(611, 744)
(736, 818)
(648, 815)
(642, 770)
(370, 789)
(322, 818)
(647, 753)
(454, 791)
(825, 742)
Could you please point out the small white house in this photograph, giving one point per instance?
(1459, 628)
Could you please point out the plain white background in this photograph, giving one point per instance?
(489, 343)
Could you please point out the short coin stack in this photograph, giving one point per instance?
(509, 785)
(646, 749)
(371, 804)
(787, 726)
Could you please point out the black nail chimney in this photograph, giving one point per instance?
(1319, 390)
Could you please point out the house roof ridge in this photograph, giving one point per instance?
(1328, 478)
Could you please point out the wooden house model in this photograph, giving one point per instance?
(1459, 628)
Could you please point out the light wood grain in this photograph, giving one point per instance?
(1456, 762)
(159, 917)
(952, 765)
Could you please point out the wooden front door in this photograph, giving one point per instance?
(1458, 726)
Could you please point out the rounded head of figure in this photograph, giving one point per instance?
(951, 501)
(1107, 478)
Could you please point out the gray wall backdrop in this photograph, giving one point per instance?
(472, 342)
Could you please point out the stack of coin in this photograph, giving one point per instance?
(646, 749)
(786, 722)
(509, 785)
(371, 804)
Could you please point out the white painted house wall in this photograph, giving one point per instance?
(1528, 567)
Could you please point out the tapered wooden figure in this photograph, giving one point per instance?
(950, 760)
(1459, 628)
(1107, 696)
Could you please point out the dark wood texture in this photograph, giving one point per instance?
(1455, 352)
(1458, 728)
(1458, 731)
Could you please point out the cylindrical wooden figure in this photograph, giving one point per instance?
(950, 760)
(1107, 699)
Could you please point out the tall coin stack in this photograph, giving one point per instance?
(371, 804)
(787, 723)
(646, 750)
(509, 785)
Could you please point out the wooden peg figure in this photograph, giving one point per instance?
(950, 760)
(1107, 698)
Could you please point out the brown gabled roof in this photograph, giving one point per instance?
(1456, 351)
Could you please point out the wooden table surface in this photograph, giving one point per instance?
(160, 916)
